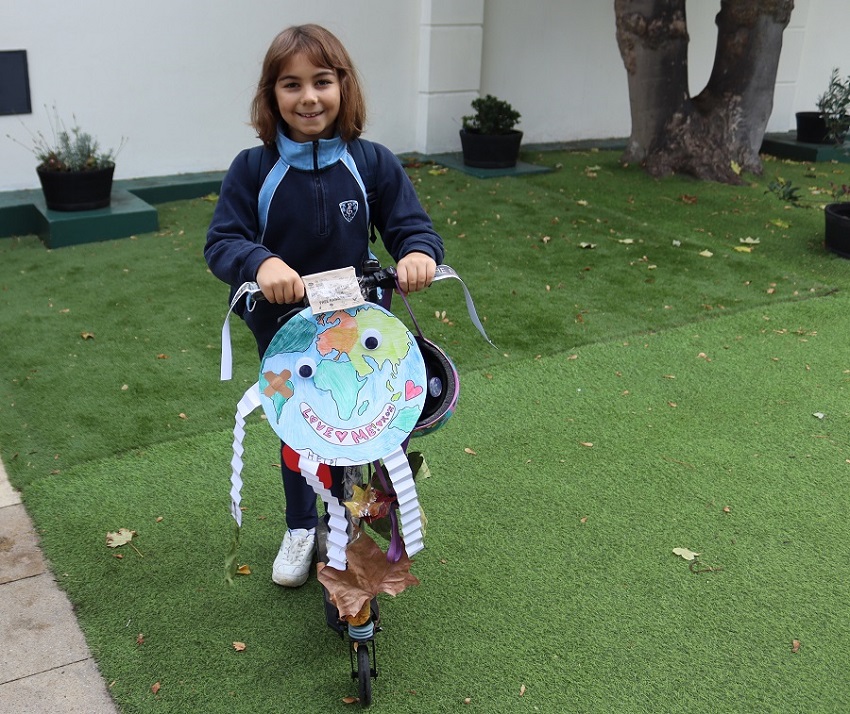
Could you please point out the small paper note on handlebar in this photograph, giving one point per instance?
(333, 290)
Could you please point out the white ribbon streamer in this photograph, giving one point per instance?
(446, 271)
(249, 402)
(401, 477)
(337, 522)
(226, 350)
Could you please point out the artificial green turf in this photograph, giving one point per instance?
(696, 381)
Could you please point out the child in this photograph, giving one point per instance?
(296, 205)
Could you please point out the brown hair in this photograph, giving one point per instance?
(323, 49)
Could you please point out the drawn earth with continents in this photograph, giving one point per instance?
(343, 387)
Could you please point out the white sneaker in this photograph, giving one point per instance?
(292, 565)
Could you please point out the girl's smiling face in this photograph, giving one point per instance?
(308, 98)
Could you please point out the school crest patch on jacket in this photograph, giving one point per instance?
(349, 210)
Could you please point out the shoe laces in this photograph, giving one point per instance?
(296, 544)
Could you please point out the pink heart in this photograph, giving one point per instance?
(411, 391)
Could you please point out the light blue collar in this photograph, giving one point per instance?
(300, 156)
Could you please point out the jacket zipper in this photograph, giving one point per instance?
(320, 192)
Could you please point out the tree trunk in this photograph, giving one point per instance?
(718, 133)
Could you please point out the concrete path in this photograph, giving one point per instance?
(45, 665)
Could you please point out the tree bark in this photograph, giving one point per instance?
(717, 133)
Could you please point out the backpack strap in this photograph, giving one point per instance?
(366, 159)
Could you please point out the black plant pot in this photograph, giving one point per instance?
(76, 190)
(490, 151)
(812, 129)
(837, 228)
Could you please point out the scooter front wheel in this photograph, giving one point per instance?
(364, 675)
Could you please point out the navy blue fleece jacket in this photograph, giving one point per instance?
(312, 214)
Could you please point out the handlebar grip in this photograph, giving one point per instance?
(382, 278)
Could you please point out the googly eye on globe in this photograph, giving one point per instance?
(435, 386)
(305, 367)
(371, 339)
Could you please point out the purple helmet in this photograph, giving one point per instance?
(443, 387)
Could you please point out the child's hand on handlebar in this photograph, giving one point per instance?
(415, 272)
(280, 283)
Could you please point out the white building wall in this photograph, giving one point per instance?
(449, 68)
(177, 76)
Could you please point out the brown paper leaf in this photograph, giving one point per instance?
(368, 573)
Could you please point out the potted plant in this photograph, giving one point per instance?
(488, 138)
(831, 122)
(75, 173)
(837, 221)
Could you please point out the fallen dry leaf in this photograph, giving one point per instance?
(795, 646)
(124, 535)
(243, 570)
(706, 254)
(87, 335)
(350, 700)
(588, 444)
(140, 639)
(155, 687)
(522, 690)
(470, 451)
(239, 646)
(685, 553)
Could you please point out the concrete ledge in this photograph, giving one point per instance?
(125, 216)
(455, 161)
(161, 189)
(786, 146)
(130, 213)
